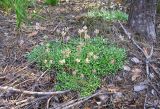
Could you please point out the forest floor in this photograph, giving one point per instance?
(130, 88)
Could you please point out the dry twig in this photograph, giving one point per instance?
(11, 89)
(79, 101)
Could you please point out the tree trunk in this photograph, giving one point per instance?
(142, 18)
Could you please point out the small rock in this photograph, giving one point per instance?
(153, 92)
(127, 68)
(21, 42)
(136, 70)
(119, 78)
(118, 94)
(140, 87)
(135, 60)
(99, 103)
(136, 73)
(103, 98)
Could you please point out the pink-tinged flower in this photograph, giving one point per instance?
(79, 48)
(86, 36)
(66, 52)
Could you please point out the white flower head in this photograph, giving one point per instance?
(95, 57)
(87, 60)
(94, 71)
(63, 33)
(90, 54)
(96, 31)
(86, 36)
(85, 27)
(81, 43)
(47, 50)
(45, 61)
(80, 31)
(82, 76)
(61, 62)
(74, 72)
(66, 52)
(45, 37)
(77, 60)
(51, 61)
(47, 45)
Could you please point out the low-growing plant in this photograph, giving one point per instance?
(112, 15)
(80, 63)
(52, 2)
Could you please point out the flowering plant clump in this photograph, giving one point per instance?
(80, 63)
(112, 15)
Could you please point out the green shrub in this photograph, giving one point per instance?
(112, 15)
(52, 2)
(80, 63)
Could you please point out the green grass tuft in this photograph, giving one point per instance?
(20, 7)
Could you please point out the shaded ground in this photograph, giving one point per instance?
(16, 72)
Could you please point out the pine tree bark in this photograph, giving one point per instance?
(142, 18)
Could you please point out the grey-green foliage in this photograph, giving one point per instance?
(80, 63)
(112, 15)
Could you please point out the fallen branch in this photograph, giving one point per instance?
(11, 89)
(30, 102)
(73, 103)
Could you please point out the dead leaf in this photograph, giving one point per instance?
(39, 27)
(136, 73)
(87, 108)
(34, 33)
(112, 88)
(145, 51)
(103, 98)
